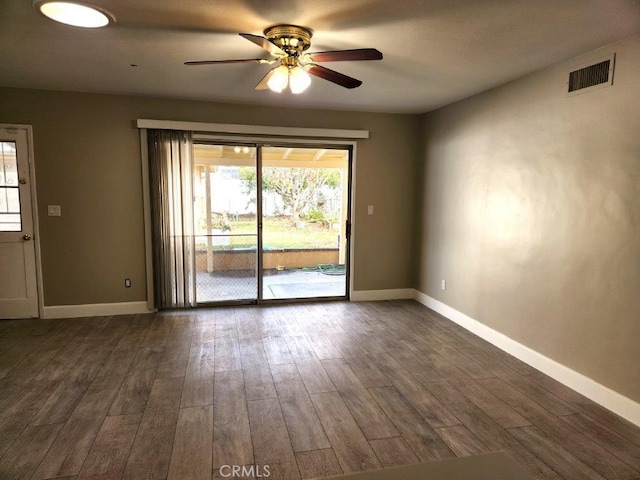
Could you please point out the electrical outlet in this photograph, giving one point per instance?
(444, 284)
(127, 282)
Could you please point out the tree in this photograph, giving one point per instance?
(297, 187)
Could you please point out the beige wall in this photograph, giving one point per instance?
(88, 161)
(531, 212)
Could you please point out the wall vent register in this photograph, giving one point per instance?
(592, 76)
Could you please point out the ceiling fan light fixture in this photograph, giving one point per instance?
(75, 14)
(279, 80)
(299, 80)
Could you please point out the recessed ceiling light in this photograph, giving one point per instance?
(75, 14)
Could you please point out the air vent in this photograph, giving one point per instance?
(595, 75)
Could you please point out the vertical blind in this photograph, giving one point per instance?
(171, 183)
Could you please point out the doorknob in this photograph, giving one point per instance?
(26, 236)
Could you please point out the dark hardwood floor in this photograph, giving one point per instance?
(297, 391)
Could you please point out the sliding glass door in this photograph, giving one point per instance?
(226, 223)
(271, 222)
(304, 215)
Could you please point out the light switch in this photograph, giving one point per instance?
(54, 210)
(370, 209)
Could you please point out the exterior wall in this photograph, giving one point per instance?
(246, 260)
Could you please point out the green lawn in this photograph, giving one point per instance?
(278, 233)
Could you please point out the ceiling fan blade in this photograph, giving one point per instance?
(263, 84)
(344, 55)
(214, 62)
(333, 76)
(264, 43)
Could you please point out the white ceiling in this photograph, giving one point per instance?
(435, 51)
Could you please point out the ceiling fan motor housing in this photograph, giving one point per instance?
(291, 38)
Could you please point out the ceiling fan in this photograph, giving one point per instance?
(287, 45)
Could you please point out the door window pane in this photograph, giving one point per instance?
(226, 236)
(10, 220)
(304, 210)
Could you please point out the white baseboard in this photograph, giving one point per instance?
(95, 310)
(374, 295)
(610, 399)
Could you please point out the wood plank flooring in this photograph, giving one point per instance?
(297, 391)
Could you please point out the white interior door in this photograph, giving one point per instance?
(18, 281)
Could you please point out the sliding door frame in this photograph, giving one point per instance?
(259, 144)
(260, 259)
(350, 148)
